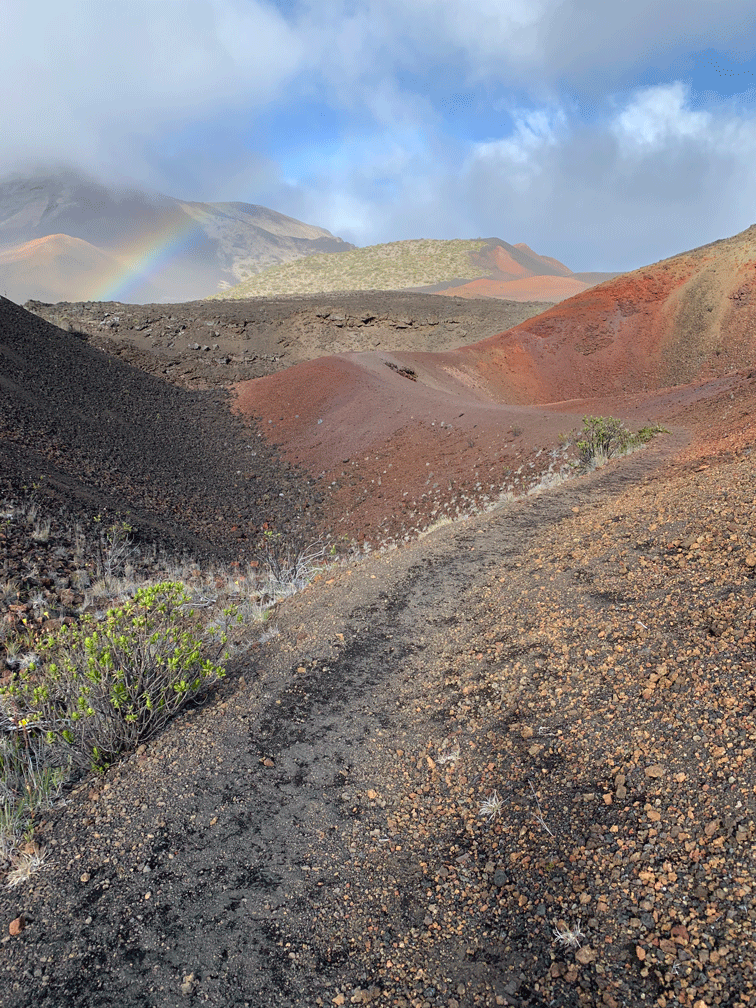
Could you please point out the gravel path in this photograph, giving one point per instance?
(580, 660)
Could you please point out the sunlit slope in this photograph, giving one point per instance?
(54, 268)
(689, 317)
(437, 266)
(394, 266)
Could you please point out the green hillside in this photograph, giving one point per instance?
(394, 266)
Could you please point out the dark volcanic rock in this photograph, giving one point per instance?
(93, 432)
(213, 343)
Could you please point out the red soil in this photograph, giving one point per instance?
(530, 288)
(549, 261)
(516, 273)
(687, 318)
(505, 266)
(398, 450)
(501, 261)
(395, 453)
(46, 250)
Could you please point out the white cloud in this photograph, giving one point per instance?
(128, 88)
(93, 81)
(653, 179)
(97, 81)
(657, 116)
(534, 45)
(650, 179)
(590, 40)
(533, 131)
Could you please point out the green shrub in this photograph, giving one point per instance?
(603, 438)
(29, 783)
(101, 687)
(644, 435)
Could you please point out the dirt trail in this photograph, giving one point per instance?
(242, 857)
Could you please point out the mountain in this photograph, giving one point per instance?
(481, 267)
(56, 268)
(517, 273)
(142, 246)
(672, 342)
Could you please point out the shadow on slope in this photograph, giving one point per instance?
(95, 432)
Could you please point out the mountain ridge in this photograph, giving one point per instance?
(691, 317)
(170, 249)
(458, 267)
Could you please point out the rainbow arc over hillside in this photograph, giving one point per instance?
(145, 256)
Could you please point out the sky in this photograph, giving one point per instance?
(607, 135)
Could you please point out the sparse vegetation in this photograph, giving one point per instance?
(135, 651)
(568, 937)
(291, 564)
(41, 531)
(30, 779)
(114, 548)
(25, 862)
(603, 438)
(99, 688)
(644, 435)
(491, 808)
(392, 266)
(539, 816)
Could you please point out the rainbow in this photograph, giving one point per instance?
(144, 257)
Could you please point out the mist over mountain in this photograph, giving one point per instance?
(142, 246)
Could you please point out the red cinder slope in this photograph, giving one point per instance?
(516, 273)
(531, 288)
(398, 440)
(549, 261)
(404, 437)
(687, 318)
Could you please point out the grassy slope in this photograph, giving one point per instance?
(394, 266)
